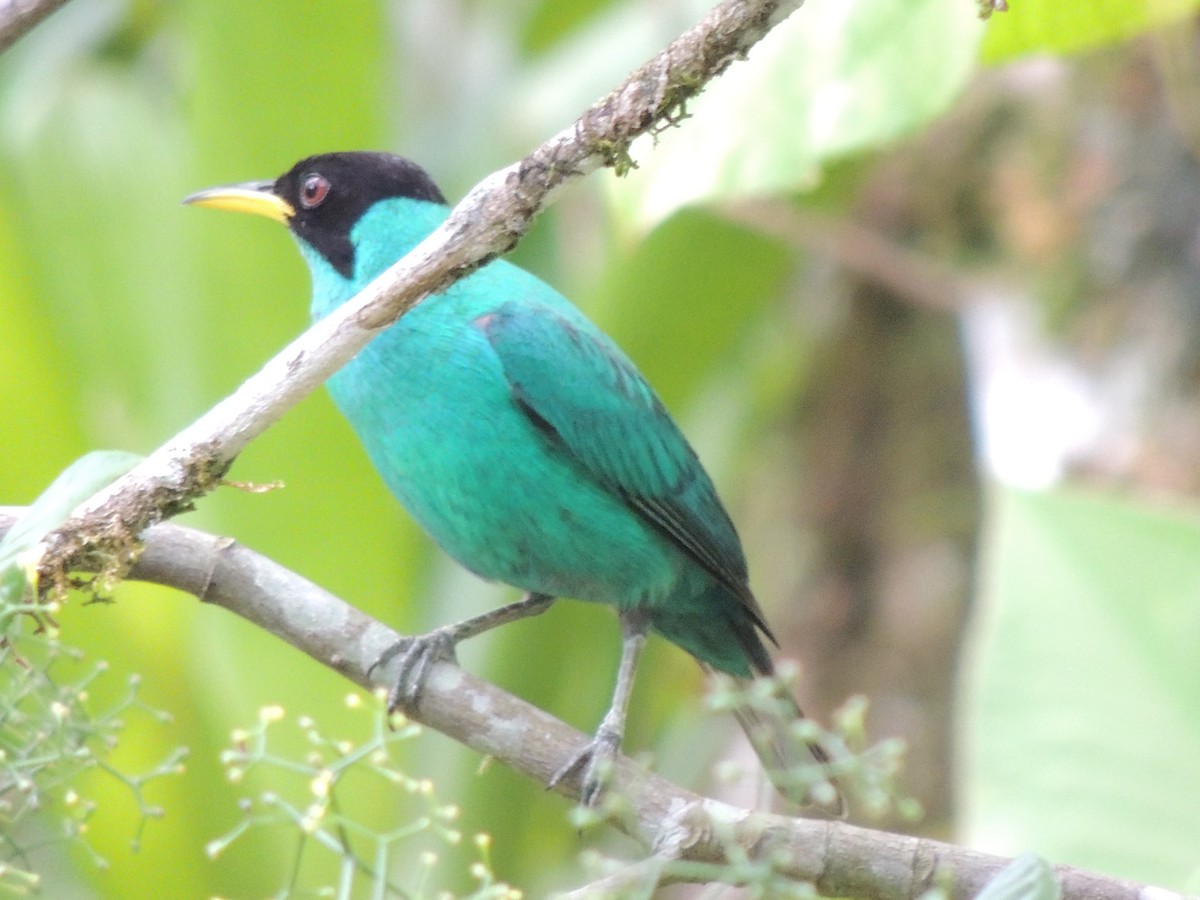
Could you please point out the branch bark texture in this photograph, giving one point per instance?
(671, 823)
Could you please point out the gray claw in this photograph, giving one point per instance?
(417, 656)
(595, 763)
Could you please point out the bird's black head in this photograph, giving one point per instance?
(329, 193)
(322, 197)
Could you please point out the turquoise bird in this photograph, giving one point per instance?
(526, 444)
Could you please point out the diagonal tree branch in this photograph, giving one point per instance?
(19, 16)
(672, 824)
(488, 222)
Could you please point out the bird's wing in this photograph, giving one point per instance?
(582, 391)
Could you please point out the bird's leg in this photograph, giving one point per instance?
(596, 759)
(419, 652)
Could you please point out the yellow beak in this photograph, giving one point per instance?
(257, 197)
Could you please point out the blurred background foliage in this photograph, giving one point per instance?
(930, 323)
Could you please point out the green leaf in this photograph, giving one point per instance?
(78, 482)
(1083, 711)
(1070, 27)
(1028, 877)
(551, 20)
(836, 77)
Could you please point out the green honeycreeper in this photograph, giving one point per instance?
(527, 445)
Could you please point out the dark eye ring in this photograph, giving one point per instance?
(313, 190)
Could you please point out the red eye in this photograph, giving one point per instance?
(313, 191)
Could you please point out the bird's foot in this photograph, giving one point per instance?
(595, 764)
(417, 655)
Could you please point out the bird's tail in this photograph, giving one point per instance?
(799, 766)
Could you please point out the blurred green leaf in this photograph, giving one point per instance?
(1074, 26)
(78, 481)
(837, 76)
(53, 506)
(552, 20)
(1082, 714)
(1028, 877)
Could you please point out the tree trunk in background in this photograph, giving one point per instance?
(882, 516)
